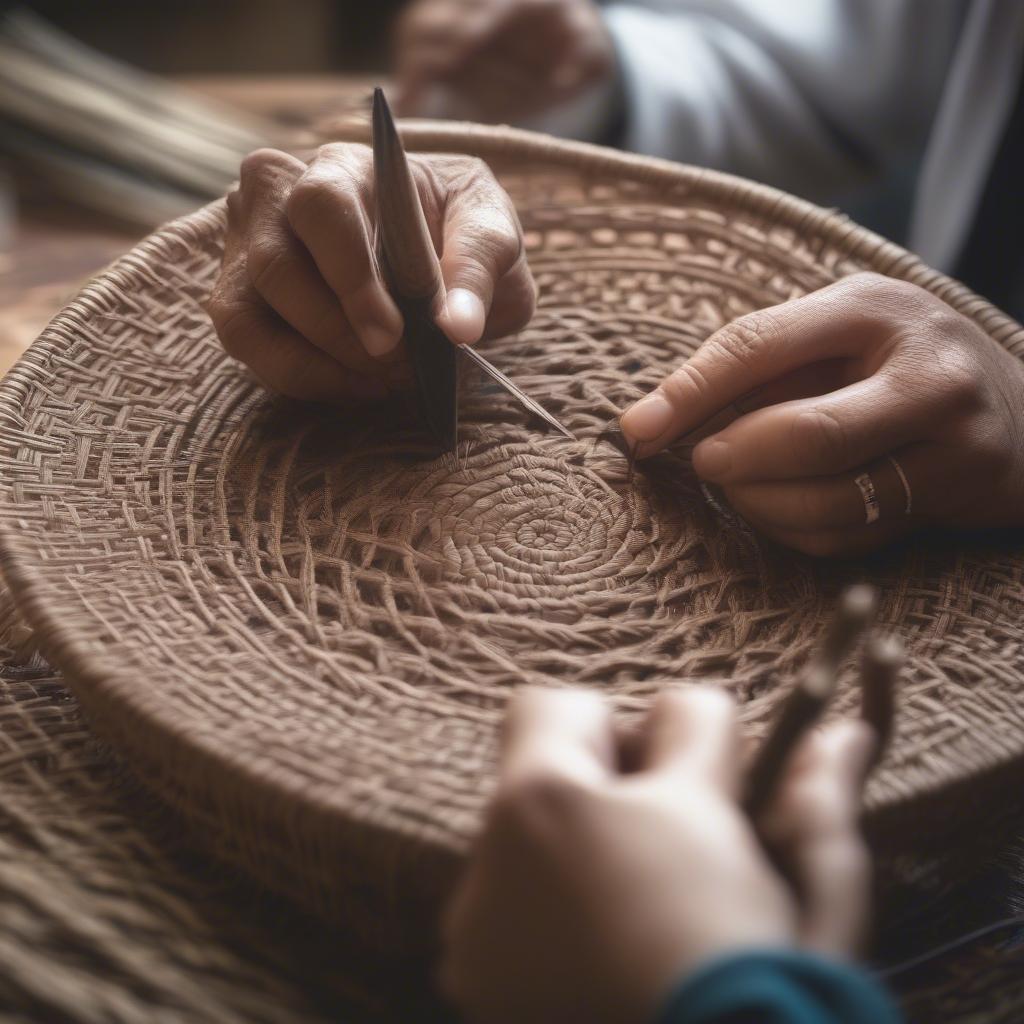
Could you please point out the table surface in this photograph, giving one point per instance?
(54, 247)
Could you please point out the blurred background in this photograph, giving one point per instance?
(117, 115)
(218, 36)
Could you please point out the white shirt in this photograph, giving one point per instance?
(822, 97)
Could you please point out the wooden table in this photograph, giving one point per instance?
(55, 247)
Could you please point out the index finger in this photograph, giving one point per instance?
(563, 733)
(745, 354)
(694, 732)
(482, 249)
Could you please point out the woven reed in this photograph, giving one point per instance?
(111, 914)
(302, 632)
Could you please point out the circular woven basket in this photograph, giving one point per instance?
(302, 630)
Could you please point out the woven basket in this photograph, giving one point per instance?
(303, 632)
(110, 914)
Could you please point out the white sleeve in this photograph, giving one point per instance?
(810, 95)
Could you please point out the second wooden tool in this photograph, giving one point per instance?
(802, 709)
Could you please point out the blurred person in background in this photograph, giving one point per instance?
(906, 113)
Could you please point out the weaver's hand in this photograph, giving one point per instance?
(593, 890)
(504, 59)
(299, 298)
(858, 412)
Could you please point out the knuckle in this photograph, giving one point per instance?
(820, 441)
(957, 380)
(886, 299)
(683, 383)
(466, 169)
(962, 390)
(256, 162)
(868, 281)
(304, 201)
(316, 196)
(349, 155)
(494, 247)
(872, 284)
(743, 340)
(262, 163)
(330, 151)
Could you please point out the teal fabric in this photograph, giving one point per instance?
(778, 987)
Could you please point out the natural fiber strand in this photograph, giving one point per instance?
(301, 628)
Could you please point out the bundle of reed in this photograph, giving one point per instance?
(109, 136)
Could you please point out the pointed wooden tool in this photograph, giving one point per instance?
(807, 702)
(413, 276)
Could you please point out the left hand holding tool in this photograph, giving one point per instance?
(300, 298)
(612, 865)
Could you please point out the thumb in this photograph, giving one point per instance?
(482, 242)
(744, 355)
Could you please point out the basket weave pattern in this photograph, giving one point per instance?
(302, 629)
(111, 914)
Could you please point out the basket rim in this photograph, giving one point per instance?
(234, 777)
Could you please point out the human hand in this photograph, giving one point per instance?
(504, 60)
(593, 890)
(869, 376)
(299, 298)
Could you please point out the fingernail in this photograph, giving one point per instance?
(378, 340)
(464, 314)
(712, 459)
(648, 419)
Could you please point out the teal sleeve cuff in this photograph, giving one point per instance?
(778, 987)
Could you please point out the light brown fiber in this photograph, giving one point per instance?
(302, 631)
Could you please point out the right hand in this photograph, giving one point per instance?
(594, 890)
(868, 377)
(300, 300)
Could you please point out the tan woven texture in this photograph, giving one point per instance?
(302, 631)
(109, 914)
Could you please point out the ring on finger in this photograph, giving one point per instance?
(907, 493)
(869, 495)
